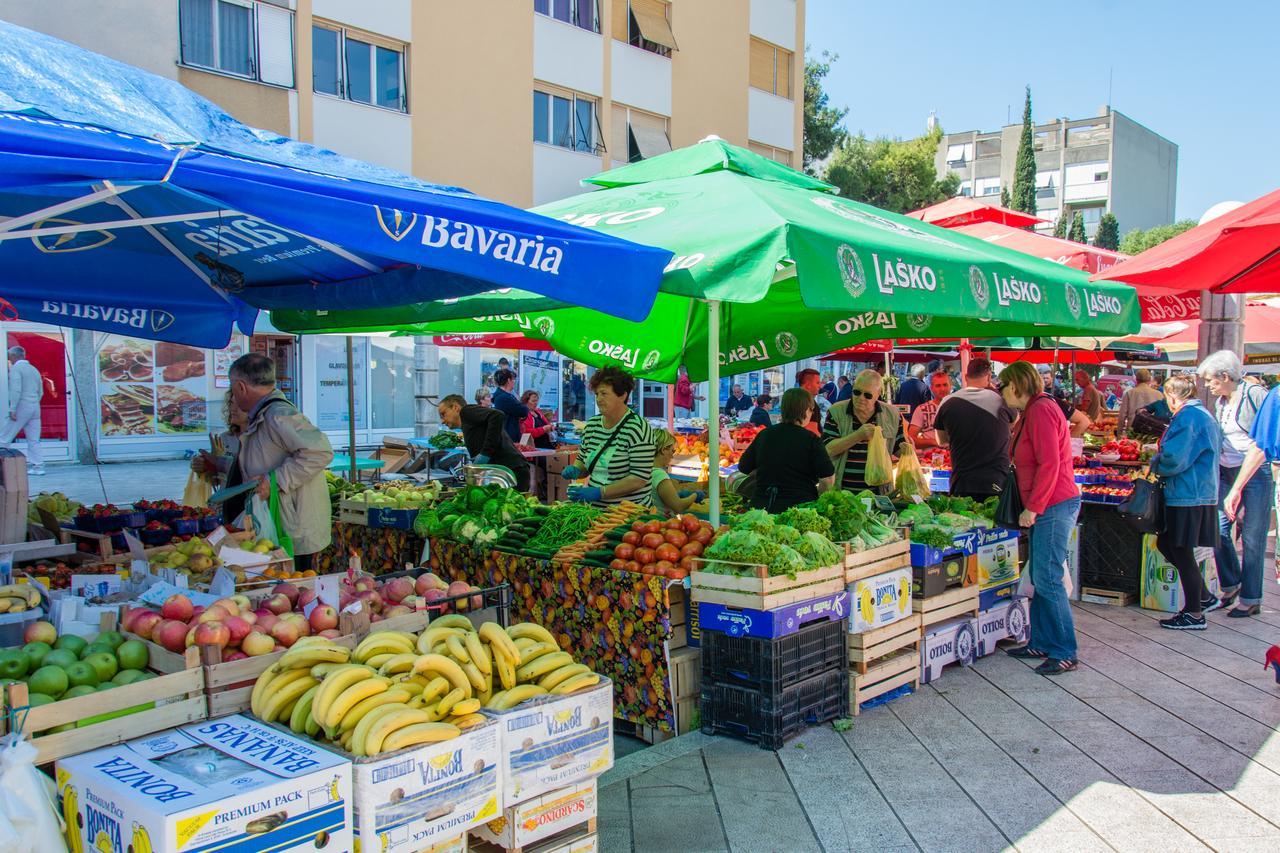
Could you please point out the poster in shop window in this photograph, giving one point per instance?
(126, 374)
(222, 361)
(540, 372)
(331, 382)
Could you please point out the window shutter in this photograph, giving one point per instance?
(761, 76)
(651, 15)
(621, 21)
(784, 73)
(650, 133)
(618, 133)
(275, 45)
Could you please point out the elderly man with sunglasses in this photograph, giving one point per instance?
(850, 425)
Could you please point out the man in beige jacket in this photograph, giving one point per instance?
(280, 441)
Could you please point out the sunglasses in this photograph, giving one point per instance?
(870, 395)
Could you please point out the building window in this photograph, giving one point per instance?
(645, 24)
(358, 67)
(252, 40)
(638, 135)
(567, 120)
(780, 155)
(580, 13)
(1101, 176)
(959, 154)
(770, 69)
(966, 188)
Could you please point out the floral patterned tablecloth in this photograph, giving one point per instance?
(616, 622)
(381, 549)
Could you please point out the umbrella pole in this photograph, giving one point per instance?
(713, 410)
(351, 410)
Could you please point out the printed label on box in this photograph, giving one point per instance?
(1008, 621)
(879, 600)
(541, 817)
(1161, 589)
(997, 552)
(955, 641)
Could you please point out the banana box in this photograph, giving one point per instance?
(879, 600)
(427, 795)
(549, 742)
(541, 817)
(228, 784)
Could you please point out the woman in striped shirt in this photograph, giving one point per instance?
(616, 454)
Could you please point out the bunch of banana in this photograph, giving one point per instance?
(17, 597)
(141, 839)
(537, 667)
(380, 646)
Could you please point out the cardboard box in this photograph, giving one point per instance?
(997, 557)
(954, 641)
(541, 817)
(221, 784)
(426, 795)
(453, 845)
(553, 741)
(1010, 620)
(956, 569)
(1160, 588)
(997, 595)
(768, 624)
(879, 600)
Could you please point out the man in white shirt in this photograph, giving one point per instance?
(26, 387)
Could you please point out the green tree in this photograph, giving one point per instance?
(1062, 224)
(1077, 234)
(1004, 197)
(1023, 196)
(822, 130)
(892, 174)
(1138, 240)
(1108, 234)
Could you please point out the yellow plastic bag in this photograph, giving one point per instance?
(911, 481)
(198, 490)
(879, 465)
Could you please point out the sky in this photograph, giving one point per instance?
(1202, 74)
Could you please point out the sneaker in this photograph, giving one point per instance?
(1210, 604)
(1184, 622)
(1230, 598)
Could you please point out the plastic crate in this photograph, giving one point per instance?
(769, 717)
(773, 664)
(1109, 547)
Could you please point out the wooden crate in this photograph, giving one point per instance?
(957, 601)
(678, 614)
(179, 696)
(886, 558)
(353, 512)
(763, 592)
(580, 837)
(870, 646)
(888, 673)
(685, 672)
(1112, 597)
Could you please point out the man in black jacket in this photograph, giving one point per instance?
(505, 401)
(484, 432)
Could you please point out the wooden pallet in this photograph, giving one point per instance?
(870, 646)
(957, 601)
(764, 592)
(886, 558)
(888, 673)
(1111, 597)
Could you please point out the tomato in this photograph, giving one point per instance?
(691, 549)
(664, 566)
(691, 523)
(631, 537)
(652, 540)
(677, 538)
(624, 551)
(704, 535)
(668, 552)
(653, 527)
(644, 556)
(633, 566)
(689, 563)
(675, 523)
(618, 565)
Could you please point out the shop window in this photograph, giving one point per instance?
(575, 394)
(770, 68)
(391, 383)
(331, 381)
(580, 13)
(358, 67)
(253, 40)
(452, 378)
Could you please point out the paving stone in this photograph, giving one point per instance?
(946, 822)
(1049, 841)
(758, 805)
(613, 822)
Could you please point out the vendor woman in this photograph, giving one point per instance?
(616, 454)
(850, 426)
(790, 463)
(668, 497)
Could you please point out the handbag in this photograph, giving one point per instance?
(1009, 507)
(1144, 509)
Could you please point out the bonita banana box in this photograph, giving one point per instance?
(229, 784)
(541, 817)
(552, 741)
(879, 600)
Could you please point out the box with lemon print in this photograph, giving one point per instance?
(879, 600)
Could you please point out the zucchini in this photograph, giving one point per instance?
(605, 554)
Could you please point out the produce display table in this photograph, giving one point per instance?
(381, 549)
(616, 622)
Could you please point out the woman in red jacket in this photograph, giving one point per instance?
(535, 425)
(1042, 462)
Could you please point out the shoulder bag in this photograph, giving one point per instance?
(1009, 508)
(1144, 509)
(608, 442)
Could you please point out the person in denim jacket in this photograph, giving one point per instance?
(1188, 463)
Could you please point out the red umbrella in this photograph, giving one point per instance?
(493, 340)
(1261, 332)
(1238, 252)
(966, 210)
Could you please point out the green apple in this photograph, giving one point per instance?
(132, 654)
(81, 689)
(71, 643)
(127, 676)
(82, 674)
(49, 680)
(97, 649)
(35, 653)
(111, 638)
(60, 657)
(103, 663)
(13, 663)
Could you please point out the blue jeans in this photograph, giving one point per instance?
(1255, 504)
(1052, 630)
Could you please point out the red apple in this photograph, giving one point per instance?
(238, 628)
(323, 617)
(285, 633)
(195, 612)
(256, 643)
(266, 622)
(242, 601)
(190, 639)
(459, 588)
(305, 597)
(249, 616)
(366, 583)
(288, 590)
(145, 624)
(234, 655)
(131, 615)
(177, 606)
(40, 632)
(331, 633)
(477, 601)
(212, 634)
(396, 610)
(397, 589)
(433, 595)
(214, 613)
(229, 605)
(371, 600)
(278, 603)
(429, 580)
(171, 634)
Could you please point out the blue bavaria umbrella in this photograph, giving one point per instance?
(130, 204)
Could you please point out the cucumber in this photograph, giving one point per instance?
(605, 554)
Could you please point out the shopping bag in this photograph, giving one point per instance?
(879, 466)
(910, 480)
(265, 515)
(28, 814)
(198, 490)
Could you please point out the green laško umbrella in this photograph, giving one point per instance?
(798, 271)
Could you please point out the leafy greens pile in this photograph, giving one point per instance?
(759, 539)
(477, 515)
(851, 519)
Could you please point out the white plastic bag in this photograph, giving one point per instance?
(263, 524)
(29, 821)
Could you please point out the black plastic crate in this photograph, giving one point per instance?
(1109, 547)
(767, 664)
(1110, 582)
(769, 717)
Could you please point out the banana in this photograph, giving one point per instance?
(452, 620)
(344, 740)
(465, 707)
(447, 667)
(352, 696)
(506, 672)
(333, 685)
(484, 698)
(302, 710)
(361, 731)
(308, 656)
(28, 593)
(268, 684)
(141, 839)
(576, 683)
(478, 653)
(495, 699)
(541, 665)
(17, 606)
(551, 679)
(417, 702)
(381, 642)
(283, 697)
(529, 629)
(433, 711)
(433, 635)
(411, 681)
(478, 681)
(449, 699)
(492, 633)
(468, 721)
(531, 653)
(379, 660)
(524, 642)
(453, 643)
(352, 718)
(5, 604)
(416, 733)
(71, 815)
(398, 664)
(437, 687)
(312, 727)
(320, 670)
(390, 723)
(510, 698)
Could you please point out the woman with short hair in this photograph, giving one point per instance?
(616, 453)
(484, 397)
(789, 461)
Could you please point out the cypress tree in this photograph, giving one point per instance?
(1023, 196)
(1076, 233)
(1004, 197)
(1108, 234)
(1061, 225)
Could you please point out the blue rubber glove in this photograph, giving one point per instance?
(584, 494)
(571, 472)
(480, 459)
(698, 497)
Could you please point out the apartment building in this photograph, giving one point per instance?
(517, 100)
(1108, 163)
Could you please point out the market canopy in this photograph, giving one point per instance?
(130, 204)
(967, 210)
(1261, 334)
(497, 340)
(798, 271)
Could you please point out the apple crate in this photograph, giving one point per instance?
(175, 698)
(875, 561)
(759, 590)
(955, 602)
(353, 512)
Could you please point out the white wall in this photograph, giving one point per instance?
(567, 56)
(391, 18)
(775, 22)
(1144, 175)
(367, 133)
(641, 79)
(558, 172)
(140, 32)
(771, 119)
